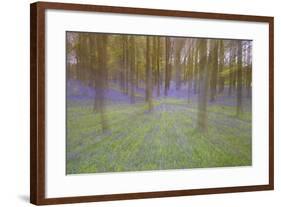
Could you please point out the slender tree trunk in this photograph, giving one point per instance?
(93, 61)
(221, 66)
(178, 64)
(190, 73)
(154, 60)
(149, 83)
(234, 73)
(196, 73)
(185, 70)
(158, 66)
(101, 79)
(137, 65)
(203, 94)
(239, 79)
(147, 69)
(132, 72)
(231, 71)
(81, 57)
(126, 65)
(123, 65)
(214, 67)
(249, 71)
(167, 67)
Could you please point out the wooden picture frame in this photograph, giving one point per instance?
(38, 98)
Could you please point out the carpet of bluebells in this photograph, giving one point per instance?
(161, 139)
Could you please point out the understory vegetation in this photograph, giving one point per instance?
(138, 103)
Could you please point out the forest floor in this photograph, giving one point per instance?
(165, 138)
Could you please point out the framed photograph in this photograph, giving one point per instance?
(131, 103)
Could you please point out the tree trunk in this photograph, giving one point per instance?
(167, 67)
(239, 79)
(196, 73)
(221, 66)
(158, 66)
(101, 79)
(203, 94)
(231, 71)
(214, 67)
(126, 65)
(249, 71)
(190, 73)
(149, 83)
(93, 61)
(123, 66)
(132, 71)
(178, 64)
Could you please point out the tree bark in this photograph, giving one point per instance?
(203, 94)
(132, 71)
(214, 67)
(239, 79)
(158, 66)
(149, 83)
(221, 66)
(190, 73)
(167, 66)
(101, 79)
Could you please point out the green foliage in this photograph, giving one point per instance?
(165, 138)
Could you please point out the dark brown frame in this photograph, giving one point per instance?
(37, 102)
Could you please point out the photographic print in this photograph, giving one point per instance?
(175, 103)
(142, 103)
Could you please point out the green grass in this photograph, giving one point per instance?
(165, 138)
